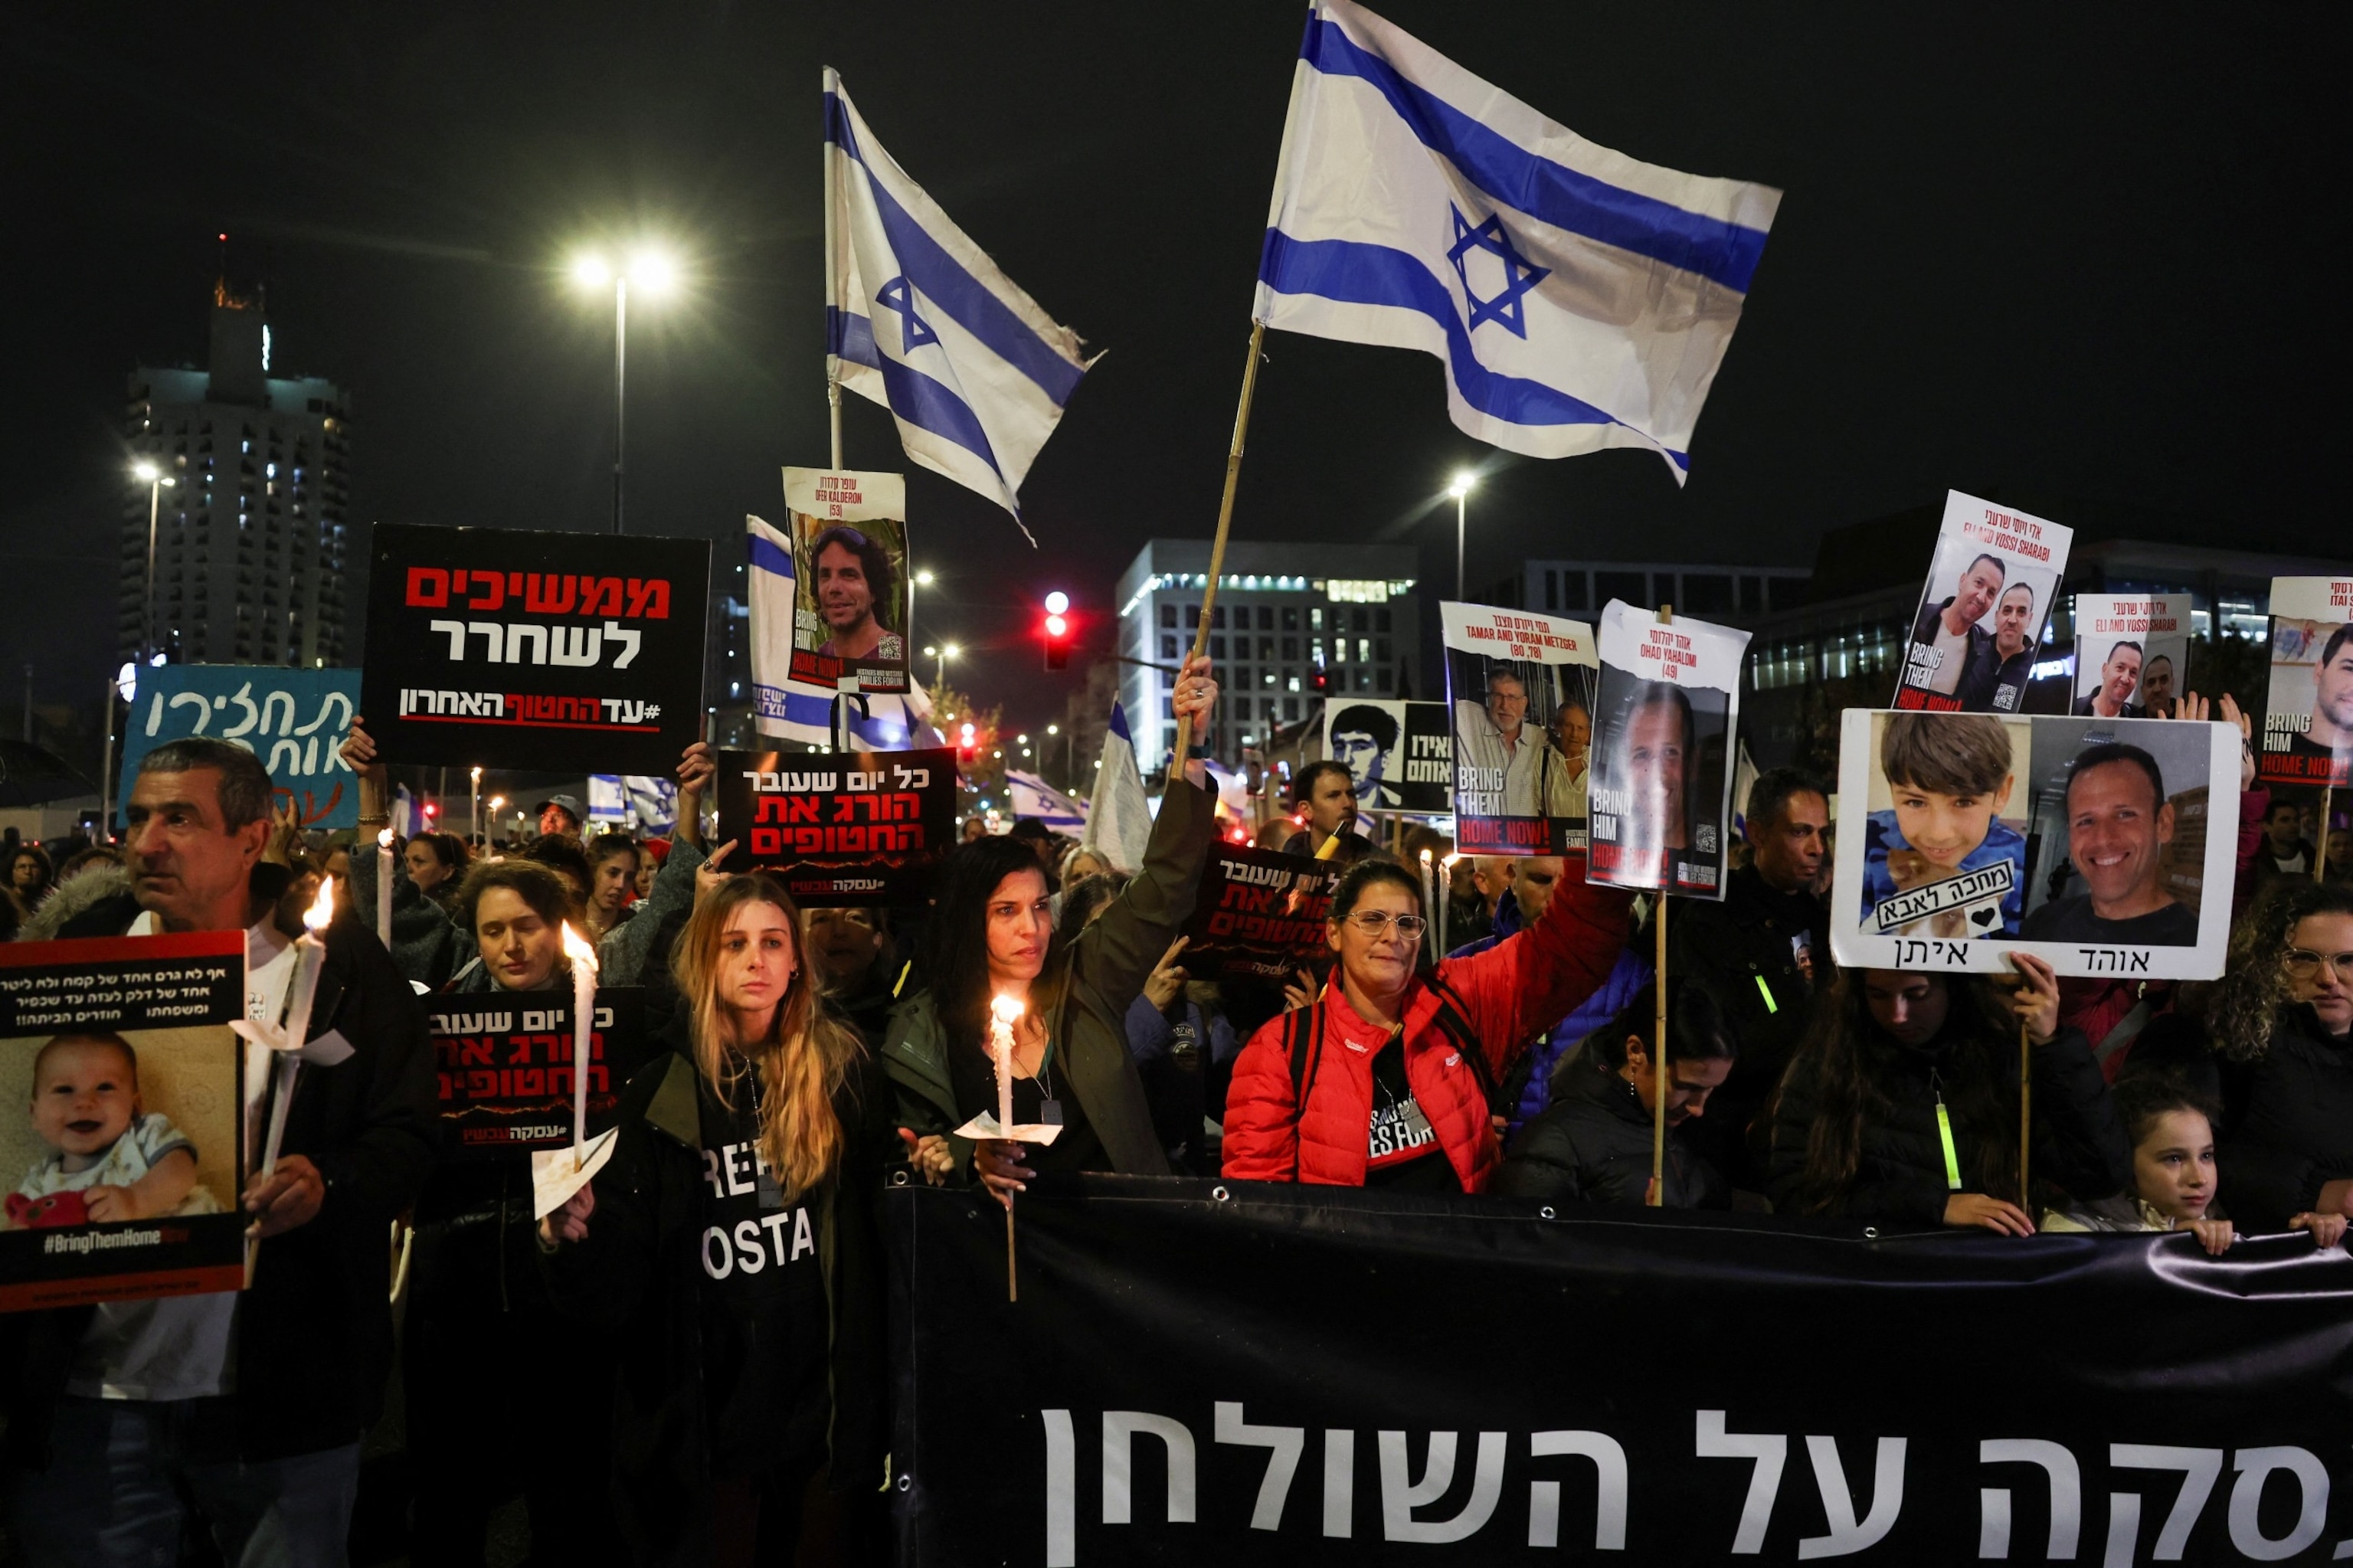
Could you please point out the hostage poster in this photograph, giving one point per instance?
(839, 828)
(1399, 755)
(294, 720)
(577, 652)
(1662, 761)
(2308, 714)
(1260, 913)
(502, 1065)
(127, 1148)
(854, 592)
(2132, 654)
(1521, 691)
(1982, 612)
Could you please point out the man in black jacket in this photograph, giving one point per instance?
(249, 1405)
(1759, 953)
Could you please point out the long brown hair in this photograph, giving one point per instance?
(803, 1061)
(2244, 1007)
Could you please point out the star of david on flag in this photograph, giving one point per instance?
(1577, 298)
(976, 374)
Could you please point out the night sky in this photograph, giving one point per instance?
(2025, 251)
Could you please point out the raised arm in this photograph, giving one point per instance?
(1530, 982)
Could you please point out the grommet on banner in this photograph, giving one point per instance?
(1871, 1232)
(906, 1483)
(1220, 1194)
(1546, 1212)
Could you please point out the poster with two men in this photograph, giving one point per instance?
(1990, 592)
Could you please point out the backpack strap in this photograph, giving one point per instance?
(1455, 1025)
(1303, 1043)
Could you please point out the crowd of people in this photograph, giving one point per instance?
(685, 1362)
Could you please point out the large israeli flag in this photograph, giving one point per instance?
(922, 321)
(795, 710)
(1579, 298)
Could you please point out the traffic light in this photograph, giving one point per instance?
(1056, 631)
(966, 747)
(1321, 681)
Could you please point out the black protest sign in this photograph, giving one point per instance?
(1259, 913)
(129, 1167)
(503, 1065)
(1334, 1390)
(840, 828)
(565, 651)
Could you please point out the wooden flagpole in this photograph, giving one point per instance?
(1217, 546)
(1658, 1031)
(2025, 1110)
(2320, 850)
(832, 286)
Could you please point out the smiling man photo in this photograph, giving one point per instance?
(2118, 823)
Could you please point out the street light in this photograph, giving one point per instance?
(655, 274)
(1461, 491)
(154, 479)
(924, 579)
(943, 652)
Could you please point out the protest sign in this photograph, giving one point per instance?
(2104, 846)
(2132, 654)
(565, 653)
(1259, 913)
(2308, 715)
(1520, 688)
(128, 1165)
(294, 720)
(852, 596)
(1399, 755)
(503, 1065)
(839, 828)
(1982, 612)
(1669, 702)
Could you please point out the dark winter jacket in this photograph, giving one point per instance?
(2291, 1130)
(1527, 1084)
(314, 1333)
(638, 1276)
(2079, 1144)
(1740, 951)
(1593, 1146)
(427, 945)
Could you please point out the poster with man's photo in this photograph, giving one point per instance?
(2308, 715)
(1260, 913)
(853, 579)
(2132, 654)
(1981, 615)
(1399, 755)
(127, 1154)
(1662, 758)
(2104, 846)
(1520, 690)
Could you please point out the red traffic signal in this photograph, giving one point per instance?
(1057, 630)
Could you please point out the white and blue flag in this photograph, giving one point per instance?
(1579, 298)
(922, 321)
(1031, 795)
(795, 710)
(1119, 822)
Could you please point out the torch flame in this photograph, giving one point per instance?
(577, 949)
(1006, 1009)
(384, 839)
(321, 912)
(1449, 861)
(1425, 858)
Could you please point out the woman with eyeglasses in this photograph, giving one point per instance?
(2274, 1038)
(1384, 1080)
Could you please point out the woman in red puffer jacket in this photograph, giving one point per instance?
(1385, 1080)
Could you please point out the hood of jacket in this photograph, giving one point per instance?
(67, 905)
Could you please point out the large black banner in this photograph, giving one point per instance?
(840, 827)
(562, 651)
(1246, 1374)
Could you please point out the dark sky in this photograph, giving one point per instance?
(2073, 251)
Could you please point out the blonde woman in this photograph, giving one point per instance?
(733, 1248)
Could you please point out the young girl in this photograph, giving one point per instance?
(2173, 1181)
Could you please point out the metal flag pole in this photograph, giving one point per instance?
(1659, 1029)
(1225, 521)
(832, 281)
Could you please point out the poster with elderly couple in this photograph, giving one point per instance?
(1520, 688)
(851, 604)
(1981, 615)
(1662, 761)
(2308, 714)
(2132, 654)
(2103, 846)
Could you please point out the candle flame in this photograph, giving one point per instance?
(321, 912)
(577, 949)
(1425, 858)
(1006, 1009)
(384, 839)
(1450, 860)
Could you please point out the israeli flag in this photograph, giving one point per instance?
(1119, 823)
(1031, 795)
(1579, 298)
(797, 711)
(922, 321)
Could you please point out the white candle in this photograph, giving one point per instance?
(383, 888)
(1002, 1012)
(584, 1008)
(302, 991)
(1429, 899)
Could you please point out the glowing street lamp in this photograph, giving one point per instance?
(154, 479)
(655, 274)
(1460, 490)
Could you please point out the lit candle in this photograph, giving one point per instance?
(1429, 899)
(310, 952)
(1002, 1012)
(584, 1007)
(383, 888)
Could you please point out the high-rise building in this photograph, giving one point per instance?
(1579, 590)
(1283, 630)
(248, 542)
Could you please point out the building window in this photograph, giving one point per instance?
(1241, 707)
(1626, 586)
(1752, 595)
(1266, 647)
(1168, 615)
(1266, 618)
(1363, 618)
(1381, 650)
(1364, 651)
(1381, 622)
(1192, 617)
(1216, 647)
(1218, 618)
(1385, 679)
(1552, 589)
(1363, 680)
(1707, 593)
(1291, 618)
(1167, 646)
(1291, 679)
(1315, 618)
(1291, 707)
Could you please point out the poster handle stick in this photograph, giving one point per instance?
(832, 281)
(1012, 1289)
(2025, 1107)
(1659, 1079)
(2320, 850)
(1224, 522)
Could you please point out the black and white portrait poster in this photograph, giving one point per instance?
(1399, 755)
(853, 581)
(1662, 760)
(2308, 714)
(1520, 688)
(577, 652)
(2132, 654)
(2102, 845)
(1982, 613)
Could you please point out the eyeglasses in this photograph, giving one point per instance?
(2303, 963)
(1375, 923)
